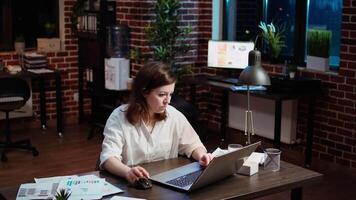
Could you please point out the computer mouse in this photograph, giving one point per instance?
(142, 184)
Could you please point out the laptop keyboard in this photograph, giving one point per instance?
(185, 180)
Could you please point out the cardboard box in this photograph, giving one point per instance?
(48, 44)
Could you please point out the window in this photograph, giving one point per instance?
(321, 14)
(30, 19)
(282, 13)
(296, 16)
(326, 14)
(242, 18)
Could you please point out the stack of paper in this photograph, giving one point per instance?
(80, 187)
(35, 60)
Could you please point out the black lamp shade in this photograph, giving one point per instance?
(254, 74)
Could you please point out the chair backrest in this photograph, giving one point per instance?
(189, 110)
(14, 87)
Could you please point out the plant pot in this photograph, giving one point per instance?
(274, 60)
(19, 47)
(317, 63)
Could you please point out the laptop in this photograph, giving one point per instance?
(193, 176)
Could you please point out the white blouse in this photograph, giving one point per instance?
(134, 144)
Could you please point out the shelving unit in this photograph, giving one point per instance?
(91, 52)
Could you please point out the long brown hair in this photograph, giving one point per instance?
(151, 76)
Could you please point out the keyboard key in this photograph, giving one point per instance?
(185, 180)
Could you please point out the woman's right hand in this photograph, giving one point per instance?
(135, 173)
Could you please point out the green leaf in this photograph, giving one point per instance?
(318, 43)
(62, 195)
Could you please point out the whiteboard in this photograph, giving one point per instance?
(229, 54)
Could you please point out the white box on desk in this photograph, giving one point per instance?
(117, 72)
(248, 168)
(251, 164)
(48, 44)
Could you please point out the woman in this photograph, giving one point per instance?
(148, 129)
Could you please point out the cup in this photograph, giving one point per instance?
(234, 147)
(272, 159)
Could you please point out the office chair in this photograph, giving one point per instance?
(14, 92)
(192, 114)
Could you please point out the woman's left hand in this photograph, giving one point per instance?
(205, 159)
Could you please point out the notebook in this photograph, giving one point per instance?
(193, 176)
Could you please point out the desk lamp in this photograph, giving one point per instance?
(253, 74)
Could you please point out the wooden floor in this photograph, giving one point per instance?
(58, 156)
(74, 154)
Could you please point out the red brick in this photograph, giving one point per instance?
(336, 93)
(349, 156)
(351, 96)
(348, 118)
(351, 65)
(334, 152)
(346, 3)
(343, 147)
(347, 73)
(351, 125)
(325, 156)
(347, 88)
(344, 132)
(345, 102)
(335, 138)
(343, 162)
(325, 127)
(335, 122)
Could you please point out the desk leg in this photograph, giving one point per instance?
(310, 127)
(296, 194)
(224, 115)
(80, 94)
(277, 124)
(43, 104)
(59, 104)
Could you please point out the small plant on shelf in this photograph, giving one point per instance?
(20, 38)
(318, 42)
(273, 35)
(318, 49)
(19, 44)
(62, 195)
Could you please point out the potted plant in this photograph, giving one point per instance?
(62, 194)
(49, 29)
(274, 38)
(292, 70)
(318, 49)
(167, 40)
(19, 44)
(165, 36)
